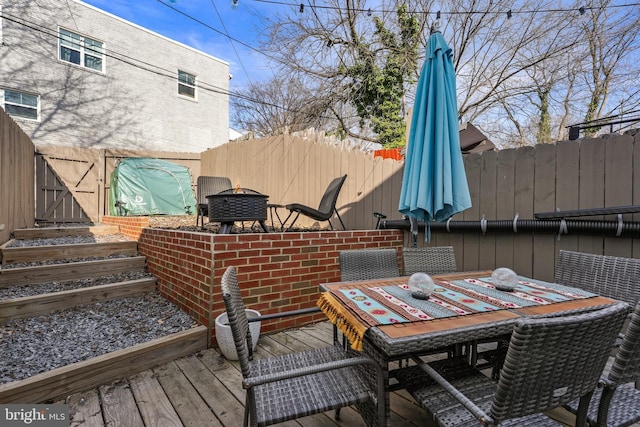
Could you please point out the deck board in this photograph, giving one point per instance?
(205, 389)
(189, 405)
(154, 405)
(119, 406)
(224, 405)
(85, 409)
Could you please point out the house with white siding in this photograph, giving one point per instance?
(74, 75)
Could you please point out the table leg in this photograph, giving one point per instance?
(225, 228)
(273, 209)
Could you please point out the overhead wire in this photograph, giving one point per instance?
(368, 11)
(213, 3)
(145, 66)
(509, 13)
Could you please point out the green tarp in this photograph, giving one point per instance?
(146, 186)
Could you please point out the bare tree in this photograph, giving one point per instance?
(612, 36)
(524, 68)
(280, 104)
(357, 60)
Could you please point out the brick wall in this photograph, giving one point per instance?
(276, 271)
(130, 226)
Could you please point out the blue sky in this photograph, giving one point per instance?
(218, 17)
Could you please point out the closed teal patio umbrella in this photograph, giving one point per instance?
(434, 184)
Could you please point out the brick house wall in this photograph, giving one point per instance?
(276, 271)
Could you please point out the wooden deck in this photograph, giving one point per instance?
(204, 389)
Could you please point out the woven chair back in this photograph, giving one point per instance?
(237, 318)
(330, 196)
(609, 276)
(430, 260)
(554, 360)
(363, 264)
(626, 365)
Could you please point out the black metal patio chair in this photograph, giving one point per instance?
(550, 362)
(290, 386)
(208, 185)
(325, 210)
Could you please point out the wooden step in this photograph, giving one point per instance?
(55, 252)
(61, 382)
(49, 232)
(40, 304)
(71, 271)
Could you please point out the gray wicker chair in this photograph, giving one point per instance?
(363, 264)
(295, 385)
(609, 276)
(550, 361)
(617, 401)
(430, 260)
(208, 185)
(325, 210)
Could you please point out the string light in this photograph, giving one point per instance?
(234, 4)
(582, 9)
(509, 14)
(301, 8)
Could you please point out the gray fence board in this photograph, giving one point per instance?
(617, 185)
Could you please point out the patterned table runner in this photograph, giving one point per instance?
(355, 307)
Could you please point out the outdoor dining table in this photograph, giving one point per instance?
(381, 319)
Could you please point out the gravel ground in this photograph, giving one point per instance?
(41, 343)
(45, 288)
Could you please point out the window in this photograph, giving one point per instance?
(186, 84)
(20, 104)
(81, 50)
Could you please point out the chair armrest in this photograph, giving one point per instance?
(285, 314)
(484, 418)
(308, 370)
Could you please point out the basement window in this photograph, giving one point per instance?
(20, 104)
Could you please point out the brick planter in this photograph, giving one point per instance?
(276, 271)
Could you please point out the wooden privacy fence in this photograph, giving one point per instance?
(580, 174)
(293, 169)
(16, 177)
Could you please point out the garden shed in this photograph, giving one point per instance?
(148, 186)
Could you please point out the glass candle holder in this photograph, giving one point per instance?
(421, 285)
(504, 279)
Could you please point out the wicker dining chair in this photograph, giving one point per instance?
(430, 260)
(364, 264)
(290, 386)
(550, 361)
(616, 403)
(609, 276)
